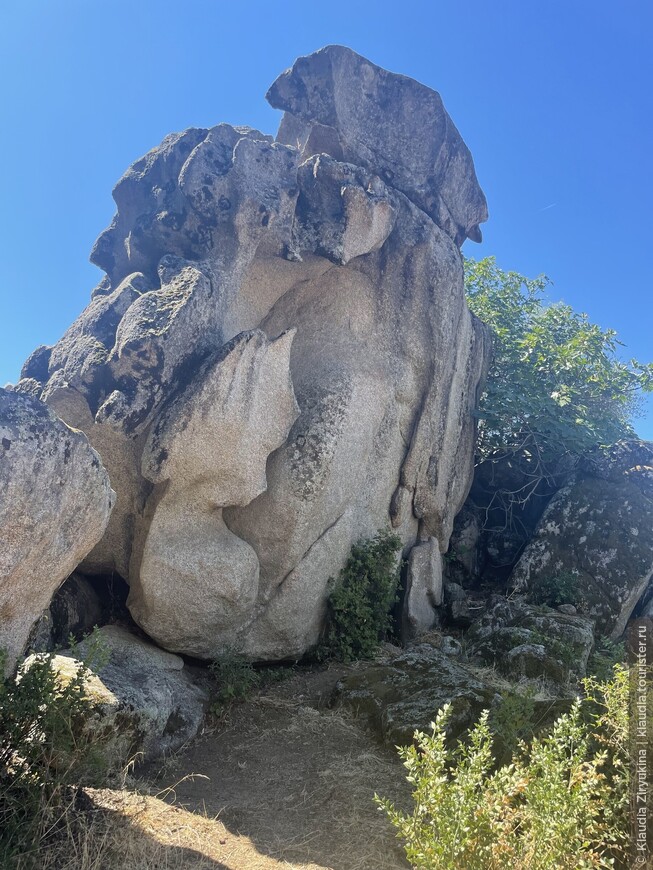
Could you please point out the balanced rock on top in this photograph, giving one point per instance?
(280, 360)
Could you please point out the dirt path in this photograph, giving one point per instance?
(283, 782)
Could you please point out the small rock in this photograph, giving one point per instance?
(457, 605)
(450, 646)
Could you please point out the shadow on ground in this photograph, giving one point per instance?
(290, 783)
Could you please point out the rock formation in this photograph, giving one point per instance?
(402, 692)
(55, 501)
(144, 700)
(525, 641)
(598, 531)
(279, 360)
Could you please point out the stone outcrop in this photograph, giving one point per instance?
(387, 123)
(402, 693)
(279, 360)
(55, 502)
(598, 533)
(208, 450)
(515, 656)
(144, 700)
(523, 640)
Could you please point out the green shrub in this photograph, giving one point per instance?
(556, 589)
(556, 388)
(359, 607)
(561, 802)
(606, 655)
(512, 721)
(607, 709)
(556, 385)
(45, 753)
(235, 680)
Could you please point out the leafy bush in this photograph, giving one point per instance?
(561, 803)
(556, 589)
(235, 679)
(45, 753)
(606, 655)
(513, 720)
(360, 604)
(556, 386)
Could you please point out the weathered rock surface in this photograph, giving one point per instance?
(197, 584)
(506, 654)
(144, 699)
(388, 123)
(424, 590)
(523, 640)
(599, 531)
(457, 605)
(404, 693)
(55, 501)
(280, 360)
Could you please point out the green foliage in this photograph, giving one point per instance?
(561, 802)
(45, 753)
(235, 679)
(556, 589)
(513, 720)
(556, 386)
(607, 709)
(605, 656)
(360, 604)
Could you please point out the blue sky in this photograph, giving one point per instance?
(553, 98)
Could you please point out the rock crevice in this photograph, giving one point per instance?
(276, 316)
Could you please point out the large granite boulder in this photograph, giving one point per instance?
(339, 103)
(279, 360)
(55, 502)
(197, 585)
(597, 533)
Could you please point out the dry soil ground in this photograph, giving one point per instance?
(282, 782)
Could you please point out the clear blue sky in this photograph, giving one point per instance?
(553, 98)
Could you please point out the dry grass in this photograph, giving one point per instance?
(298, 783)
(278, 783)
(148, 833)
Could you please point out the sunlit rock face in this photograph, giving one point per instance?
(55, 502)
(280, 360)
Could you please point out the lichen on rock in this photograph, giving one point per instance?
(598, 529)
(280, 360)
(55, 502)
